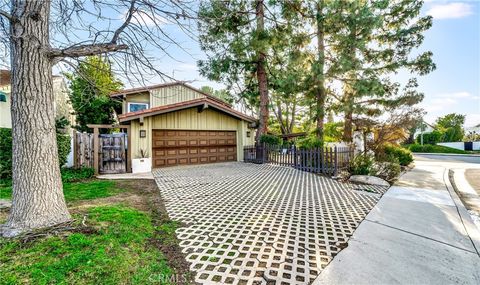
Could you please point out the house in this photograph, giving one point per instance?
(63, 107)
(177, 124)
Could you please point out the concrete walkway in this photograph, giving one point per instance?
(418, 233)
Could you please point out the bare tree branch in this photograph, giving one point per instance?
(8, 16)
(131, 10)
(86, 50)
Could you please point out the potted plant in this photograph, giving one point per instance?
(143, 163)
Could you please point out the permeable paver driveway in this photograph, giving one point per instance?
(260, 224)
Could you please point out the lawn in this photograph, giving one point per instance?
(121, 234)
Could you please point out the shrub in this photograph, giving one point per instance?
(5, 153)
(270, 140)
(63, 144)
(362, 164)
(403, 155)
(310, 142)
(387, 170)
(73, 174)
(427, 148)
(430, 138)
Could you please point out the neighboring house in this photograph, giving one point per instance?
(63, 107)
(427, 128)
(177, 124)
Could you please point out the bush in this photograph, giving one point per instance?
(387, 170)
(430, 138)
(362, 164)
(310, 142)
(63, 144)
(73, 175)
(270, 140)
(403, 155)
(5, 153)
(427, 148)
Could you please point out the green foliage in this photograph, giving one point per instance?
(119, 252)
(404, 156)
(63, 145)
(450, 121)
(388, 168)
(90, 86)
(61, 123)
(427, 148)
(75, 175)
(271, 140)
(333, 131)
(430, 138)
(362, 164)
(5, 153)
(222, 94)
(309, 142)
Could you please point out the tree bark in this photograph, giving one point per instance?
(38, 199)
(262, 74)
(320, 74)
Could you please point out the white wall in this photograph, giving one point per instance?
(476, 145)
(456, 145)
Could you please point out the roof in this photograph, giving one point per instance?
(200, 102)
(4, 77)
(163, 85)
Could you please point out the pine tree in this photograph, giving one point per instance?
(235, 36)
(375, 39)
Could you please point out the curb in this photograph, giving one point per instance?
(447, 154)
(470, 227)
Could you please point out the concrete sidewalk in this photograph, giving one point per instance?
(418, 233)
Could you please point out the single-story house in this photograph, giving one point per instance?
(177, 124)
(63, 107)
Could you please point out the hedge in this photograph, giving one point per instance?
(403, 155)
(63, 144)
(428, 148)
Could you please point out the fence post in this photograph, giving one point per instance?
(335, 170)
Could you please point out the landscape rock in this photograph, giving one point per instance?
(367, 179)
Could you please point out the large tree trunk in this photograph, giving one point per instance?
(320, 93)
(262, 75)
(38, 199)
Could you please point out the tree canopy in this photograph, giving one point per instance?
(90, 86)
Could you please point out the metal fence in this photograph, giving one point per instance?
(326, 160)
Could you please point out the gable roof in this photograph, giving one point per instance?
(200, 102)
(163, 85)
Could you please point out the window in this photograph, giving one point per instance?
(133, 107)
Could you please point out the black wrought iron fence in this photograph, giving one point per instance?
(326, 160)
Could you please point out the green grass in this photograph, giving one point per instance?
(86, 190)
(428, 148)
(118, 253)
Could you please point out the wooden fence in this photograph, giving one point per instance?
(83, 150)
(327, 160)
(111, 152)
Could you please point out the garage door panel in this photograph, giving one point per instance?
(173, 147)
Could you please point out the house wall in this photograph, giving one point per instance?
(5, 117)
(189, 119)
(172, 94)
(136, 98)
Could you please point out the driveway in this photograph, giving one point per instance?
(256, 224)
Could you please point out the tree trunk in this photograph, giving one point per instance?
(262, 75)
(348, 125)
(38, 199)
(320, 75)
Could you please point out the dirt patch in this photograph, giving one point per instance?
(472, 176)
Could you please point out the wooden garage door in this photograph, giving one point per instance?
(173, 147)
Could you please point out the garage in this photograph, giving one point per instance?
(184, 147)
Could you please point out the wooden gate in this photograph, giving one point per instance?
(112, 153)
